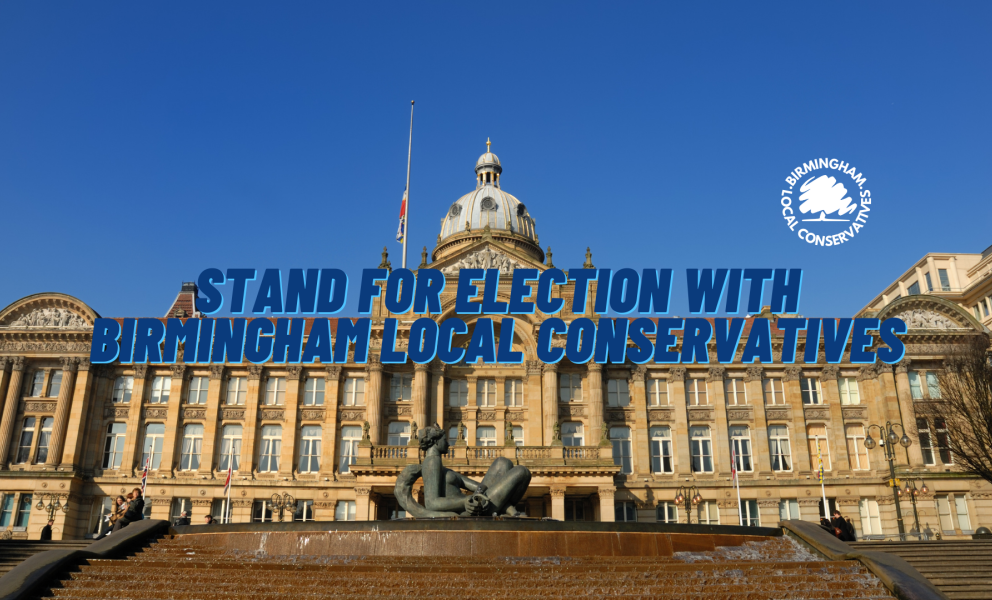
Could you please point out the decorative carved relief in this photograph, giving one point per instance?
(58, 347)
(637, 373)
(816, 413)
(293, 372)
(700, 413)
(903, 365)
(829, 373)
(716, 374)
(781, 414)
(619, 415)
(272, 414)
(332, 373)
(676, 374)
(156, 413)
(854, 413)
(792, 374)
(140, 371)
(660, 414)
(254, 372)
(233, 414)
(178, 371)
(740, 413)
(354, 414)
(487, 416)
(50, 318)
(571, 411)
(39, 407)
(921, 318)
(866, 372)
(217, 372)
(115, 412)
(194, 413)
(398, 411)
(606, 492)
(753, 374)
(312, 414)
(484, 258)
(516, 415)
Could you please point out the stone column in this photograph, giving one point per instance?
(472, 416)
(594, 381)
(131, 447)
(287, 454)
(680, 428)
(549, 403)
(794, 398)
(533, 398)
(640, 444)
(329, 432)
(760, 451)
(501, 408)
(907, 411)
(420, 409)
(210, 420)
(160, 507)
(558, 503)
(768, 512)
(606, 512)
(373, 398)
(438, 399)
(200, 509)
(57, 442)
(250, 432)
(721, 435)
(172, 412)
(887, 389)
(81, 405)
(10, 408)
(840, 462)
(4, 380)
(92, 446)
(363, 504)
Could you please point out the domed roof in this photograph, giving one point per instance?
(487, 159)
(490, 206)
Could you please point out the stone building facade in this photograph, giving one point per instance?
(604, 442)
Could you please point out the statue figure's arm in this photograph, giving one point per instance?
(467, 483)
(434, 499)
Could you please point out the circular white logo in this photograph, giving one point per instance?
(827, 202)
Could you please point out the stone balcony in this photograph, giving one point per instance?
(585, 460)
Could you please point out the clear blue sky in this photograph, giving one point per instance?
(143, 142)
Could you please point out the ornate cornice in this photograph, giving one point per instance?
(753, 374)
(332, 373)
(829, 373)
(866, 372)
(676, 374)
(293, 372)
(606, 492)
(140, 371)
(254, 372)
(533, 367)
(716, 374)
(216, 372)
(792, 374)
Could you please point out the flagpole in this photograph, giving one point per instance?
(823, 489)
(406, 218)
(740, 507)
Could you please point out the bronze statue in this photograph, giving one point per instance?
(500, 490)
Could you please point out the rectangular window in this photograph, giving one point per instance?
(625, 512)
(113, 448)
(230, 448)
(985, 305)
(658, 392)
(400, 386)
(44, 439)
(849, 393)
(818, 448)
(933, 386)
(856, 450)
(571, 434)
(944, 513)
(98, 515)
(189, 457)
(926, 446)
(268, 460)
(772, 388)
(750, 513)
(945, 282)
(617, 392)
(198, 388)
(219, 511)
(871, 522)
(398, 434)
(122, 389)
(620, 438)
(695, 392)
(707, 513)
(667, 513)
(518, 435)
(740, 439)
(27, 438)
(485, 392)
(351, 435)
(458, 392)
(513, 392)
(6, 510)
(788, 509)
(161, 386)
(943, 442)
(915, 389)
(485, 436)
(275, 391)
(237, 390)
(310, 449)
(735, 392)
(304, 511)
(55, 384)
(151, 454)
(37, 384)
(964, 520)
(354, 391)
(661, 450)
(811, 390)
(914, 288)
(929, 281)
(345, 510)
(701, 447)
(570, 388)
(313, 392)
(23, 512)
(574, 510)
(778, 445)
(180, 506)
(261, 511)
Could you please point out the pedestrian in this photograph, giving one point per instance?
(135, 510)
(839, 526)
(182, 520)
(208, 520)
(851, 531)
(825, 525)
(46, 531)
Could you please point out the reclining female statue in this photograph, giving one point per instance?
(500, 490)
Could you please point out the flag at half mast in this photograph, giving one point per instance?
(401, 230)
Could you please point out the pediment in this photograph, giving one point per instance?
(931, 314)
(50, 311)
(486, 255)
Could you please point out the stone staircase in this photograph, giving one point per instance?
(196, 567)
(962, 569)
(13, 552)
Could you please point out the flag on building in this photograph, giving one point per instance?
(401, 230)
(144, 476)
(227, 483)
(819, 457)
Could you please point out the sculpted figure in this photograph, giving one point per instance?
(500, 490)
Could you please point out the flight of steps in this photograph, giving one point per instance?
(13, 552)
(184, 567)
(962, 569)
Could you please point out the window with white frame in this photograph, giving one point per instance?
(701, 449)
(933, 385)
(6, 510)
(750, 515)
(945, 282)
(261, 512)
(788, 509)
(230, 447)
(237, 390)
(113, 447)
(23, 515)
(856, 450)
(485, 436)
(98, 516)
(485, 392)
(740, 440)
(513, 392)
(313, 391)
(915, 387)
(926, 445)
(345, 510)
(151, 453)
(661, 450)
(26, 440)
(458, 392)
(849, 393)
(617, 392)
(275, 391)
(771, 387)
(400, 386)
(667, 512)
(944, 513)
(943, 441)
(304, 511)
(189, 457)
(354, 391)
(574, 509)
(707, 513)
(695, 392)
(44, 439)
(452, 436)
(810, 387)
(658, 392)
(622, 456)
(351, 435)
(625, 512)
(37, 385)
(268, 461)
(310, 449)
(571, 433)
(55, 384)
(198, 389)
(518, 435)
(735, 391)
(160, 390)
(964, 519)
(871, 522)
(779, 447)
(398, 434)
(570, 387)
(123, 387)
(818, 448)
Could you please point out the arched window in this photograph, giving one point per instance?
(113, 449)
(189, 459)
(351, 435)
(152, 452)
(310, 449)
(661, 450)
(701, 448)
(571, 434)
(740, 439)
(271, 446)
(230, 448)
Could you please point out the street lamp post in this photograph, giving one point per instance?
(282, 503)
(688, 496)
(55, 503)
(913, 492)
(888, 434)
